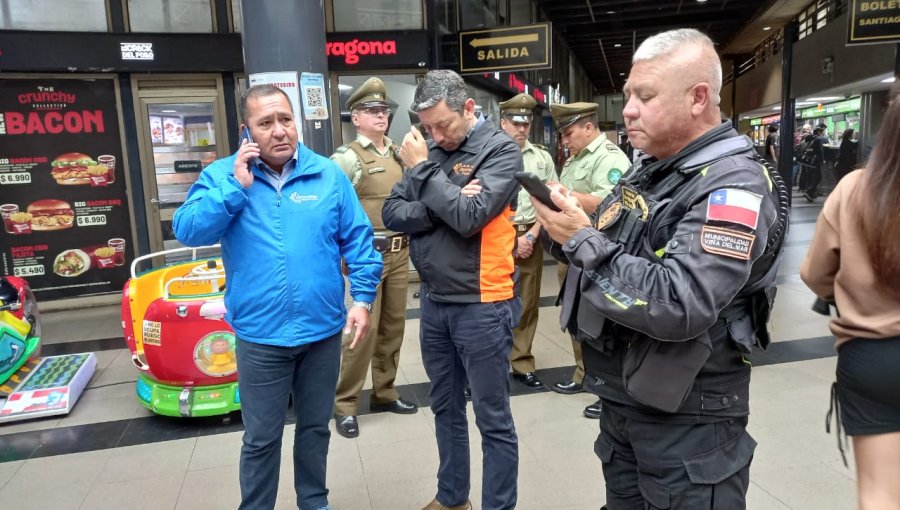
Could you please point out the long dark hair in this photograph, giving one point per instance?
(881, 198)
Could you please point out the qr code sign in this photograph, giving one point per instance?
(314, 97)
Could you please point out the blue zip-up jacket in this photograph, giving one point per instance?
(282, 248)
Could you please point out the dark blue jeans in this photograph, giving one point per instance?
(474, 340)
(267, 375)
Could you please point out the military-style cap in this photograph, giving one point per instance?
(567, 114)
(370, 93)
(518, 108)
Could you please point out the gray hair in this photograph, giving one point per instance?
(440, 85)
(665, 43)
(258, 91)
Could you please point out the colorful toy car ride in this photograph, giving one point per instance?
(20, 330)
(173, 317)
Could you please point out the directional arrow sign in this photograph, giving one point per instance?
(509, 39)
(505, 49)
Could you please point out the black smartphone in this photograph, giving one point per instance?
(245, 135)
(536, 188)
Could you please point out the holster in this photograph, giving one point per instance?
(660, 374)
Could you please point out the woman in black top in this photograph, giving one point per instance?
(847, 155)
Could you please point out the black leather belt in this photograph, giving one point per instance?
(391, 244)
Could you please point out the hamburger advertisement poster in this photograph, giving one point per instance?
(66, 224)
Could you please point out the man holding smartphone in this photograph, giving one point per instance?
(285, 217)
(594, 167)
(373, 167)
(515, 120)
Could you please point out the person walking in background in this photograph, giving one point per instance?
(373, 167)
(772, 146)
(852, 262)
(848, 154)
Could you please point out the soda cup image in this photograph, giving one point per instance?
(109, 162)
(7, 210)
(117, 244)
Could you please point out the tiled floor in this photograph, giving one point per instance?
(110, 453)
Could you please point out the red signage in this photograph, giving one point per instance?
(377, 50)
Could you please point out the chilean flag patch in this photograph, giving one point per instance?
(734, 206)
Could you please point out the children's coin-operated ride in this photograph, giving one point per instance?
(174, 322)
(33, 387)
(20, 329)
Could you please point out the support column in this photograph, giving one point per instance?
(290, 36)
(788, 107)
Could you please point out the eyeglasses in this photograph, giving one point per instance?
(376, 110)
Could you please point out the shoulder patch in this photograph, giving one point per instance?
(734, 206)
(614, 175)
(726, 242)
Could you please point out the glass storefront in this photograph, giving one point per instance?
(68, 15)
(170, 16)
(372, 15)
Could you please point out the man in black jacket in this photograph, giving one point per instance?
(454, 201)
(670, 285)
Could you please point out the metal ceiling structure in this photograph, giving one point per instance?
(603, 34)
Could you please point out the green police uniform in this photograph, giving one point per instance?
(519, 109)
(595, 170)
(373, 174)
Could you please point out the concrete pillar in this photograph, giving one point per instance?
(290, 36)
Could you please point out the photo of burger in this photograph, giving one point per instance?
(51, 214)
(71, 168)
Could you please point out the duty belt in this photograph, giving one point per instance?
(391, 244)
(524, 227)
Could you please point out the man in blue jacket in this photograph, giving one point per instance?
(285, 217)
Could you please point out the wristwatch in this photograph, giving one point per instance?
(363, 304)
(529, 236)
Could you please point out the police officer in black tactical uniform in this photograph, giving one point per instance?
(670, 285)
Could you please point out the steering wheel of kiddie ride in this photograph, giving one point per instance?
(210, 270)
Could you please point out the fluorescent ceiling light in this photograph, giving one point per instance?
(169, 111)
(824, 98)
(617, 45)
(776, 107)
(767, 28)
(888, 80)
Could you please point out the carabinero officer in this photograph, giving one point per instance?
(593, 168)
(516, 114)
(670, 285)
(373, 166)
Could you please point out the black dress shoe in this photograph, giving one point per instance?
(567, 387)
(593, 411)
(398, 406)
(346, 426)
(529, 379)
(467, 392)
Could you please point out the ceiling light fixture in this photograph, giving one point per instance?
(767, 28)
(617, 45)
(610, 12)
(888, 80)
(825, 98)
